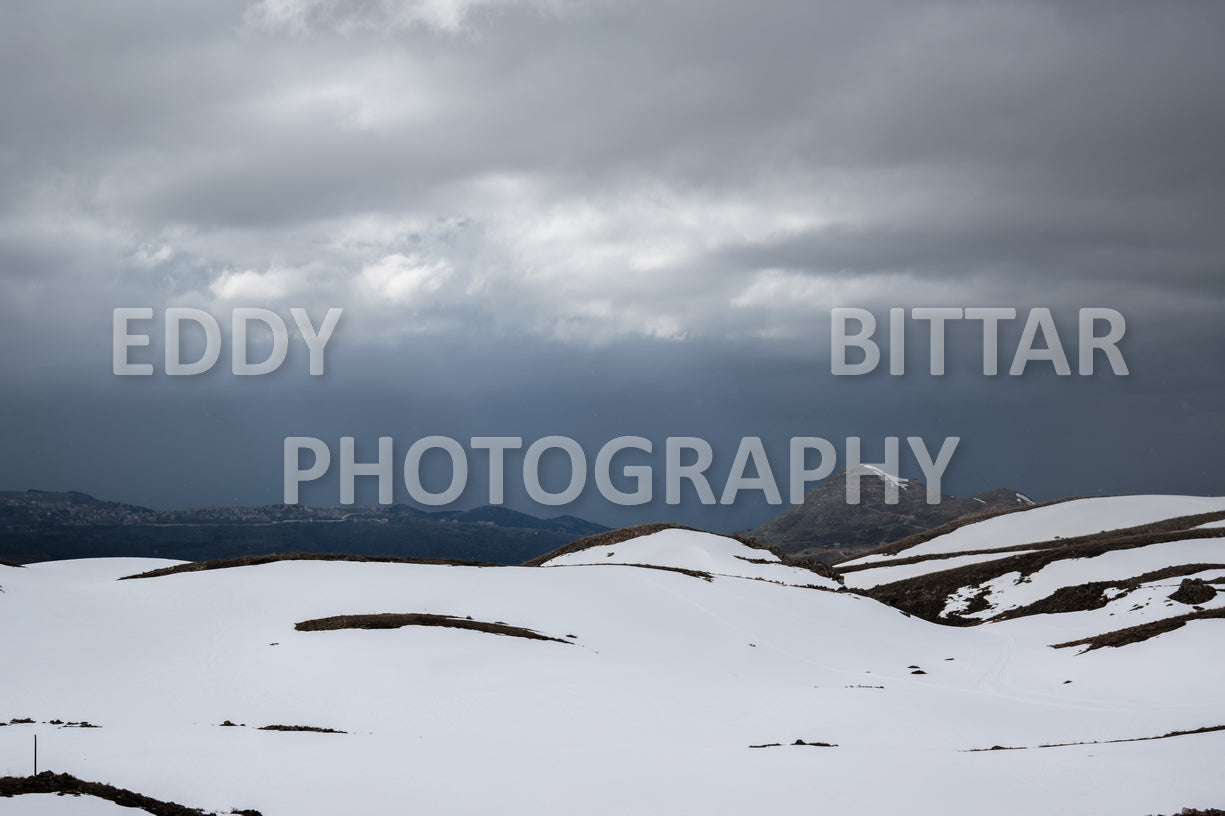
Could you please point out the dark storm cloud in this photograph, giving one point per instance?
(550, 215)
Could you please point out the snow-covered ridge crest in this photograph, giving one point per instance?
(679, 548)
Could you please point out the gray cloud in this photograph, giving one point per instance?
(661, 200)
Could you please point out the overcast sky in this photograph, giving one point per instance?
(554, 217)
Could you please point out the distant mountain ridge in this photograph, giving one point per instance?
(38, 525)
(827, 528)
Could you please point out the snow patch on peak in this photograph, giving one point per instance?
(873, 470)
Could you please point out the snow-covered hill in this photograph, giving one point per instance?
(678, 681)
(1096, 565)
(690, 550)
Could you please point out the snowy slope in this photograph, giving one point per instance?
(651, 704)
(693, 550)
(50, 804)
(879, 572)
(1063, 520)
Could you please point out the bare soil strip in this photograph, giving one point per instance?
(797, 742)
(1205, 730)
(49, 782)
(925, 596)
(391, 620)
(256, 560)
(1175, 529)
(311, 728)
(1141, 633)
(1086, 597)
(949, 526)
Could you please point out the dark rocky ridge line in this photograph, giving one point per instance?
(66, 784)
(926, 595)
(1180, 524)
(797, 742)
(1090, 596)
(1205, 730)
(313, 729)
(895, 547)
(1141, 633)
(257, 560)
(692, 573)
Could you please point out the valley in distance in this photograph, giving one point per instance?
(38, 525)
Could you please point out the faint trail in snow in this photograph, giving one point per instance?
(997, 681)
(992, 681)
(755, 636)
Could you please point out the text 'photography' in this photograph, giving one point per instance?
(579, 406)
